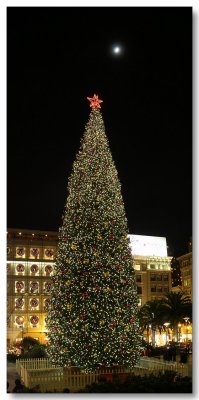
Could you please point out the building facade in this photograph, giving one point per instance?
(30, 266)
(152, 267)
(186, 273)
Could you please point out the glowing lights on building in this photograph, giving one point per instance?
(148, 246)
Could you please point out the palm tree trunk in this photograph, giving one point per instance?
(175, 328)
(153, 335)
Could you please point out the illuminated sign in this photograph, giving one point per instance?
(148, 245)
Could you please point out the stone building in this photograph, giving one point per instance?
(152, 267)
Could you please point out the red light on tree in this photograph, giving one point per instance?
(94, 101)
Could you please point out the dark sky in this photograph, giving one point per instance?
(56, 57)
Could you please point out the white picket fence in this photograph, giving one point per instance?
(40, 372)
(154, 365)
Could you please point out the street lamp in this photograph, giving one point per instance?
(186, 320)
(166, 324)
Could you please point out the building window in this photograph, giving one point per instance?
(153, 276)
(48, 269)
(34, 303)
(165, 278)
(138, 278)
(185, 263)
(20, 269)
(34, 287)
(137, 267)
(19, 287)
(139, 290)
(165, 267)
(165, 289)
(159, 289)
(19, 303)
(153, 289)
(20, 252)
(152, 266)
(139, 302)
(48, 253)
(158, 277)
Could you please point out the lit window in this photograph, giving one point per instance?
(139, 302)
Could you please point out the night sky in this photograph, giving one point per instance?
(56, 57)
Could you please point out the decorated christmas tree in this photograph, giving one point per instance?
(92, 320)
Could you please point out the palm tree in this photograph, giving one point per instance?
(175, 307)
(151, 315)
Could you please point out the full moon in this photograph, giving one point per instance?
(116, 49)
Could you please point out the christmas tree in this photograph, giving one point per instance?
(92, 320)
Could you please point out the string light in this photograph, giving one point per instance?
(94, 302)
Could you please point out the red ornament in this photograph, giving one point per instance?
(118, 266)
(113, 323)
(131, 321)
(94, 101)
(85, 295)
(83, 315)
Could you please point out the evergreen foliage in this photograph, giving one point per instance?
(92, 320)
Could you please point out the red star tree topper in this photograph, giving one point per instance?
(94, 101)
